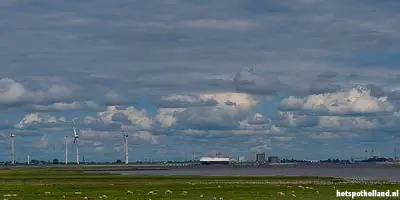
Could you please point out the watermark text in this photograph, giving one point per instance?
(369, 193)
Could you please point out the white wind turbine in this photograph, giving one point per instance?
(12, 138)
(66, 150)
(126, 148)
(76, 143)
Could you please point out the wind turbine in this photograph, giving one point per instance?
(12, 138)
(76, 143)
(66, 150)
(126, 148)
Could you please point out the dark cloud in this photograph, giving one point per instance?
(112, 98)
(119, 117)
(375, 90)
(322, 87)
(230, 103)
(185, 103)
(327, 75)
(394, 95)
(247, 81)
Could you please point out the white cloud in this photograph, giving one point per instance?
(62, 106)
(166, 116)
(139, 119)
(14, 93)
(340, 103)
(292, 119)
(232, 99)
(11, 91)
(257, 122)
(36, 118)
(230, 107)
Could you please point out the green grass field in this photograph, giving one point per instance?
(38, 184)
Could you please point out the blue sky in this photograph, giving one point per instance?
(300, 78)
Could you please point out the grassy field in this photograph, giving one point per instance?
(43, 184)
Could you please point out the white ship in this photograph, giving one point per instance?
(217, 160)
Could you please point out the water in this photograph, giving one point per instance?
(370, 173)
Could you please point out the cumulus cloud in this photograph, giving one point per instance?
(354, 101)
(14, 93)
(138, 119)
(291, 119)
(221, 115)
(256, 122)
(247, 81)
(166, 116)
(37, 118)
(62, 106)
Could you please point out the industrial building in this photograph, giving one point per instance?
(241, 159)
(273, 159)
(260, 157)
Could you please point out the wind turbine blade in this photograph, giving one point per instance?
(74, 131)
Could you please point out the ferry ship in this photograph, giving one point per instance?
(215, 160)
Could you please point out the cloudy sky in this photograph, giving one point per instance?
(307, 79)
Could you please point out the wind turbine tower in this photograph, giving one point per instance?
(76, 137)
(66, 150)
(126, 149)
(12, 138)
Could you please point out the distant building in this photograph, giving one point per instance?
(273, 159)
(260, 157)
(242, 159)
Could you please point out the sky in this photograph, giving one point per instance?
(305, 79)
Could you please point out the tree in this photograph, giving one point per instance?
(55, 161)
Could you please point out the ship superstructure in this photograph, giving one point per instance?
(215, 160)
